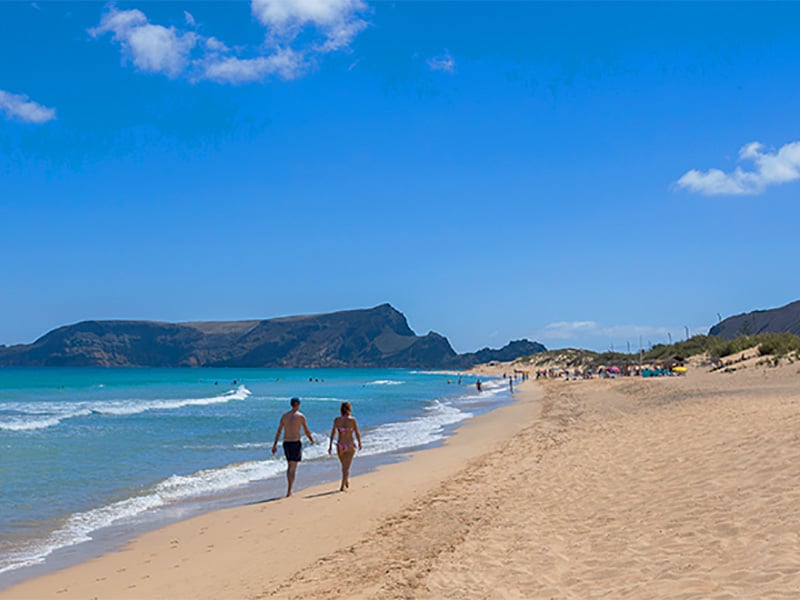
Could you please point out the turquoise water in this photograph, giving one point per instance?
(85, 450)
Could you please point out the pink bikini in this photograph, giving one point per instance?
(344, 446)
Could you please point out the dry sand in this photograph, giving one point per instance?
(632, 488)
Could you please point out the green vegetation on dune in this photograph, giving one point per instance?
(569, 357)
(691, 347)
(714, 346)
(778, 344)
(768, 344)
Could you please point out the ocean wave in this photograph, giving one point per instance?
(30, 417)
(431, 426)
(490, 390)
(79, 527)
(124, 407)
(494, 385)
(32, 422)
(419, 431)
(385, 382)
(252, 445)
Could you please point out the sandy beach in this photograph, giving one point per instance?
(680, 487)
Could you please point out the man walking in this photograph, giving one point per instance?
(291, 423)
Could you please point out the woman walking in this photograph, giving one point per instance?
(344, 427)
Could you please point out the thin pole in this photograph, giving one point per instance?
(640, 355)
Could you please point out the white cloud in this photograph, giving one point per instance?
(214, 45)
(567, 329)
(22, 108)
(771, 168)
(327, 26)
(337, 20)
(570, 330)
(593, 335)
(287, 14)
(340, 35)
(444, 62)
(286, 64)
(153, 48)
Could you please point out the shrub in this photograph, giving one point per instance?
(778, 343)
(769, 344)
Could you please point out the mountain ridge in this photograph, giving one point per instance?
(774, 320)
(372, 337)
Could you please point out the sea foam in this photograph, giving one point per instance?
(80, 527)
(413, 433)
(29, 416)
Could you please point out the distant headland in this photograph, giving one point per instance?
(373, 337)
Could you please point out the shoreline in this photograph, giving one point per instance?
(198, 542)
(114, 538)
(61, 551)
(629, 487)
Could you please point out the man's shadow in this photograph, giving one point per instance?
(321, 494)
(265, 501)
(276, 498)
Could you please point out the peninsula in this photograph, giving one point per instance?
(374, 337)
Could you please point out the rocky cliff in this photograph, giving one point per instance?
(375, 337)
(775, 320)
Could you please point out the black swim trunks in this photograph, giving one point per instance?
(293, 451)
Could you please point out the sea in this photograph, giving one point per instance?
(91, 457)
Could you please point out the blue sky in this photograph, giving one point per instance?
(581, 174)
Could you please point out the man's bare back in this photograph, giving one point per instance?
(292, 424)
(292, 421)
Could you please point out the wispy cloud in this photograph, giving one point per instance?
(22, 108)
(590, 334)
(771, 168)
(326, 26)
(285, 63)
(443, 62)
(570, 330)
(567, 330)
